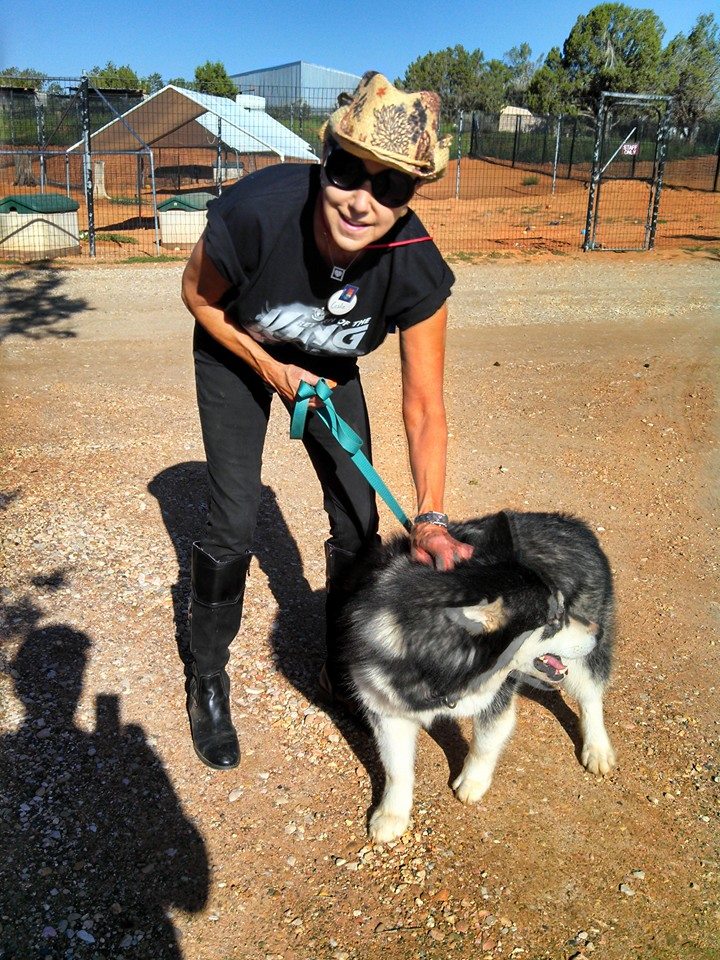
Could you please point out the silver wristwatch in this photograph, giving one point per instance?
(439, 519)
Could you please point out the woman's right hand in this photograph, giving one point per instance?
(285, 380)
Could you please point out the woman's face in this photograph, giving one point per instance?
(354, 218)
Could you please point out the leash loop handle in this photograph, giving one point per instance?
(345, 436)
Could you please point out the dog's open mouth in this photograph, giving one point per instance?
(551, 667)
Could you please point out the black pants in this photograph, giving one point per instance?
(234, 406)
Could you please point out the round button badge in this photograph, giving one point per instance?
(343, 301)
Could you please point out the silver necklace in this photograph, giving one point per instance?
(338, 273)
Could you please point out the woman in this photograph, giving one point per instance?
(301, 270)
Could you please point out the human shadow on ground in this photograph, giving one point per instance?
(96, 846)
(32, 304)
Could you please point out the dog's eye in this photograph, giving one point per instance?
(551, 629)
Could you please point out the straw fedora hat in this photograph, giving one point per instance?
(398, 129)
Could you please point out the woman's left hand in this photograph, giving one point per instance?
(433, 545)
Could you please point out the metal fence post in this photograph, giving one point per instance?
(593, 194)
(717, 166)
(87, 161)
(218, 162)
(572, 148)
(557, 151)
(473, 152)
(518, 121)
(459, 131)
(639, 140)
(40, 120)
(660, 152)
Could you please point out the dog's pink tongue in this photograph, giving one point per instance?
(552, 666)
(554, 662)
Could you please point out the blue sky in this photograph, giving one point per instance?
(64, 37)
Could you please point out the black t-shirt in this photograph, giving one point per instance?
(259, 235)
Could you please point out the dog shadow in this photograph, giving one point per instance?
(449, 736)
(553, 702)
(296, 635)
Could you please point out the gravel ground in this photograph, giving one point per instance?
(585, 385)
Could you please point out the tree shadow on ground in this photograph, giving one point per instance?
(96, 846)
(32, 303)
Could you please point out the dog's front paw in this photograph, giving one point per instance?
(470, 787)
(598, 758)
(386, 825)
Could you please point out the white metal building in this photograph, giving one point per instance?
(291, 82)
(509, 121)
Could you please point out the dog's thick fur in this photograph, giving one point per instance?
(535, 602)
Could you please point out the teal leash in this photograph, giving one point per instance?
(345, 436)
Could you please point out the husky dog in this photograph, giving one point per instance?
(533, 604)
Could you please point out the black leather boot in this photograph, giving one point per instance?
(218, 588)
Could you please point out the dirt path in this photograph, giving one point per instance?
(584, 385)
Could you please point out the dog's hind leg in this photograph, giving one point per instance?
(491, 732)
(395, 738)
(597, 753)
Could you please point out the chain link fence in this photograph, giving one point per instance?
(117, 175)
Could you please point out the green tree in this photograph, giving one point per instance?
(14, 77)
(691, 68)
(550, 90)
(495, 86)
(522, 68)
(454, 73)
(153, 83)
(113, 77)
(213, 78)
(182, 83)
(613, 47)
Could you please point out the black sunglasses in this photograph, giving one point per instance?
(391, 188)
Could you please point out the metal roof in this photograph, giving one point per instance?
(174, 117)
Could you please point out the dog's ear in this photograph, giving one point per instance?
(556, 608)
(481, 618)
(525, 554)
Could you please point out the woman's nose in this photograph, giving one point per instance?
(361, 198)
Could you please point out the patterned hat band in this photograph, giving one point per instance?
(395, 128)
